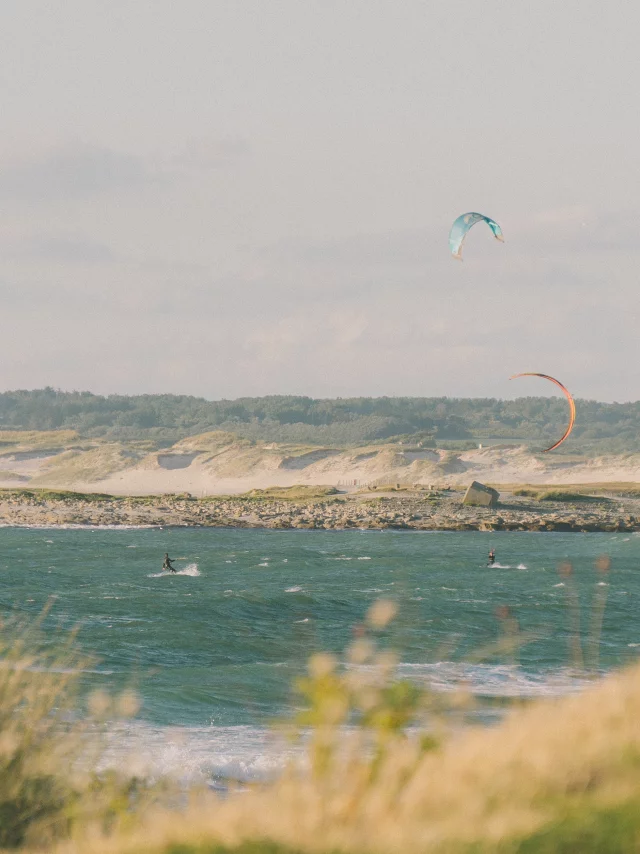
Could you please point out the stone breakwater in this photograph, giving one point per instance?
(401, 511)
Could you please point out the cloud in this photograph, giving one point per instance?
(73, 172)
(61, 250)
(82, 171)
(202, 155)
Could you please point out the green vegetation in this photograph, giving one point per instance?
(59, 495)
(455, 423)
(579, 492)
(292, 493)
(560, 495)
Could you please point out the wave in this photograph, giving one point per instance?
(497, 565)
(190, 569)
(496, 680)
(215, 755)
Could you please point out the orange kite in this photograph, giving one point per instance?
(572, 406)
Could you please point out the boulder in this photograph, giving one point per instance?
(479, 495)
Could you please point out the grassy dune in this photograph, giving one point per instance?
(15, 440)
(554, 776)
(91, 465)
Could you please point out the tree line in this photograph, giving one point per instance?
(442, 421)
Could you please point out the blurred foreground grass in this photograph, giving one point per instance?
(388, 769)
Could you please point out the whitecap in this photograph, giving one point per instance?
(190, 569)
(293, 589)
(214, 755)
(499, 680)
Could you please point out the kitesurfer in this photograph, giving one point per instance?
(168, 563)
(492, 557)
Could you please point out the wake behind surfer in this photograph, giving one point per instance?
(492, 557)
(168, 563)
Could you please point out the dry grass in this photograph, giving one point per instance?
(73, 467)
(19, 440)
(49, 745)
(555, 776)
(558, 776)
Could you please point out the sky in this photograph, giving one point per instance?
(247, 198)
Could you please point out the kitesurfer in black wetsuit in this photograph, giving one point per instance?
(492, 557)
(168, 563)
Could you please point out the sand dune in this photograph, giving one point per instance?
(219, 463)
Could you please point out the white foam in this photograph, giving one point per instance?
(293, 590)
(495, 680)
(190, 569)
(196, 754)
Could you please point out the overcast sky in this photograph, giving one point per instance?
(253, 196)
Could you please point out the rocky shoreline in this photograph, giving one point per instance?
(402, 511)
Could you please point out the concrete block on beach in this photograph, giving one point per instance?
(479, 495)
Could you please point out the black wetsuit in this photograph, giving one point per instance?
(168, 564)
(492, 557)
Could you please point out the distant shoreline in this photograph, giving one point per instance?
(416, 510)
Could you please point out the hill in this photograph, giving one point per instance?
(446, 423)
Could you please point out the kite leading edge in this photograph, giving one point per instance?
(572, 406)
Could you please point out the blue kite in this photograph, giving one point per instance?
(462, 225)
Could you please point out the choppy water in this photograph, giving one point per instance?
(213, 649)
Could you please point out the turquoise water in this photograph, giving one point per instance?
(213, 650)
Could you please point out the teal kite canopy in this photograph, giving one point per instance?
(462, 225)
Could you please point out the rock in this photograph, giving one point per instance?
(479, 495)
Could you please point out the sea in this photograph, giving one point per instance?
(214, 651)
